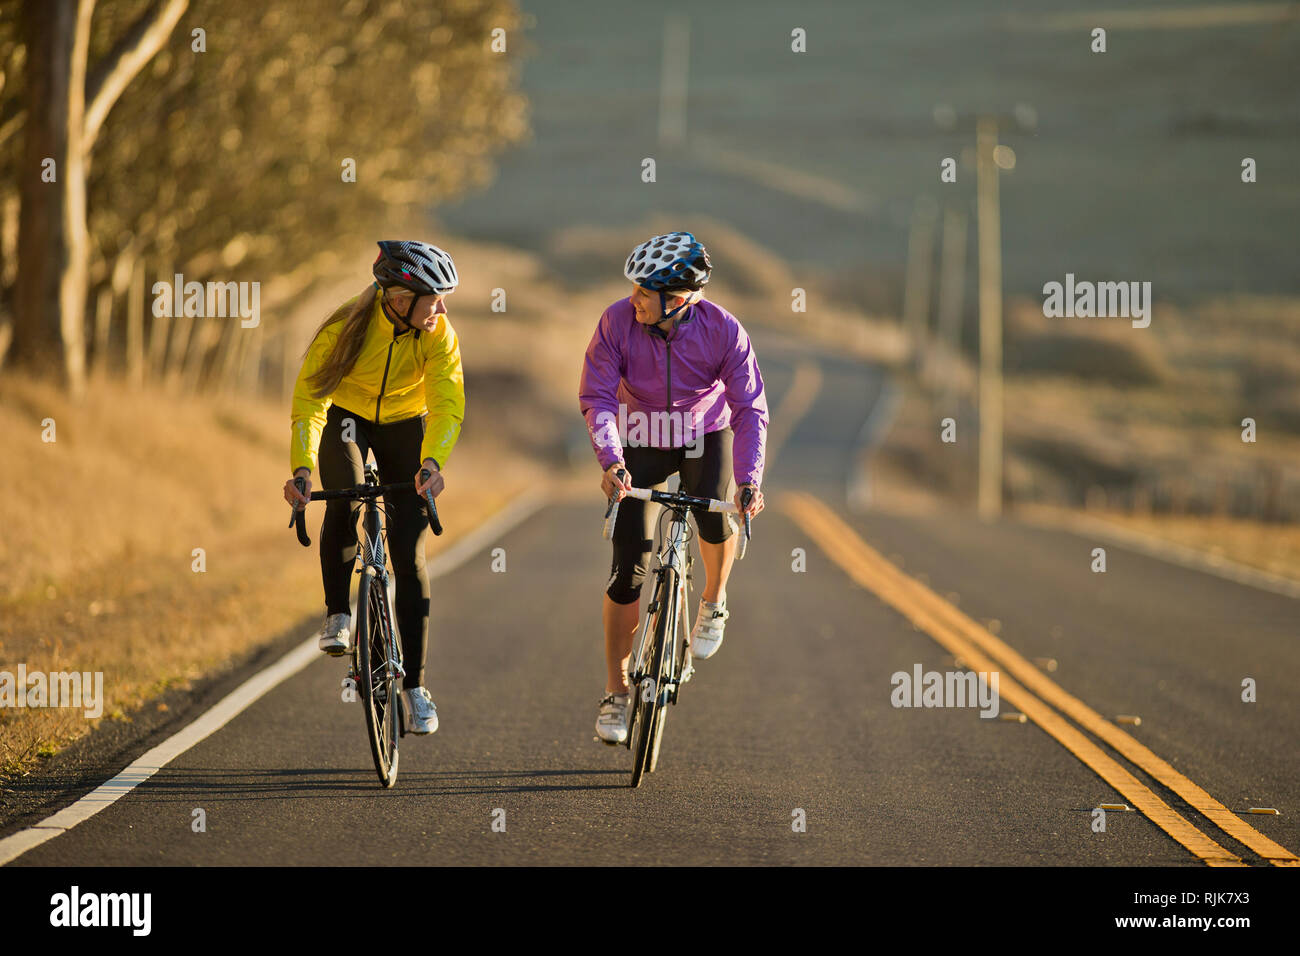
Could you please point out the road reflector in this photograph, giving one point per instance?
(1018, 718)
(1262, 810)
(1117, 807)
(1046, 663)
(1129, 719)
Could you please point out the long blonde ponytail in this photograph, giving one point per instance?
(355, 315)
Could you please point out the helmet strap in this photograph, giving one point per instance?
(406, 319)
(663, 302)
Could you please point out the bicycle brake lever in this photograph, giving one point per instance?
(746, 497)
(428, 499)
(611, 512)
(297, 520)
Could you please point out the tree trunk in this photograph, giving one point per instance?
(103, 319)
(135, 325)
(49, 332)
(48, 36)
(50, 300)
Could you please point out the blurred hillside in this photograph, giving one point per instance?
(813, 170)
(1128, 162)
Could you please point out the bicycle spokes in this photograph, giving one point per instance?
(381, 671)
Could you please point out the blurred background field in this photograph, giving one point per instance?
(807, 171)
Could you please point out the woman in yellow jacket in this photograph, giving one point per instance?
(382, 374)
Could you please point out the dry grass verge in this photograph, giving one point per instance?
(101, 526)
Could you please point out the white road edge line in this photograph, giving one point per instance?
(208, 723)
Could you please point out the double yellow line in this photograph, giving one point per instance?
(1026, 688)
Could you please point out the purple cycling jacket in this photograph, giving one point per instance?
(640, 387)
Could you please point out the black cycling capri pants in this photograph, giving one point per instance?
(707, 476)
(342, 463)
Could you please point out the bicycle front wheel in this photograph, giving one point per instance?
(651, 692)
(377, 679)
(668, 675)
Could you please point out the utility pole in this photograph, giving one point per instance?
(920, 271)
(952, 285)
(990, 303)
(673, 79)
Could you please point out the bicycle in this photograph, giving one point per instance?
(660, 665)
(375, 668)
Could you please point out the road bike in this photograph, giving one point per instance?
(375, 669)
(660, 663)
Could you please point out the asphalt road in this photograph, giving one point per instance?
(794, 713)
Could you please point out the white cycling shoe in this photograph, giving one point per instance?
(709, 625)
(418, 712)
(611, 723)
(336, 635)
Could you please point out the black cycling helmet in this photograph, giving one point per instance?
(418, 266)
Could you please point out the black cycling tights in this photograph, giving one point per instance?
(397, 454)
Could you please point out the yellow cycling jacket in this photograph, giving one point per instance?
(396, 377)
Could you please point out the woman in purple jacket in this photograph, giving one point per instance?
(670, 384)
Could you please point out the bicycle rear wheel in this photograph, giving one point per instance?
(376, 680)
(648, 723)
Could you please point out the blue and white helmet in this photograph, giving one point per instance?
(672, 262)
(419, 266)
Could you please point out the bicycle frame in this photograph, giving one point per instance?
(675, 558)
(658, 649)
(375, 614)
(373, 558)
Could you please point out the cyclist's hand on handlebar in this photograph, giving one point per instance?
(755, 502)
(435, 483)
(611, 485)
(291, 493)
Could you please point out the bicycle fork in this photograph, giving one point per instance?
(676, 557)
(684, 613)
(681, 561)
(373, 560)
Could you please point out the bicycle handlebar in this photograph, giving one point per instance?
(678, 500)
(358, 493)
